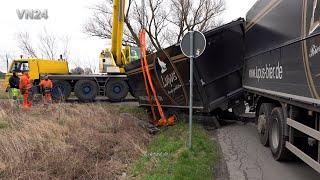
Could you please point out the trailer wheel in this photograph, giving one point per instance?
(117, 90)
(263, 122)
(86, 90)
(61, 90)
(277, 139)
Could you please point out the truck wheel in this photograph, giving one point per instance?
(86, 90)
(277, 139)
(117, 90)
(61, 90)
(263, 121)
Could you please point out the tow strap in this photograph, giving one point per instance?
(149, 86)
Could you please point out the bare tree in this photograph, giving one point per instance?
(49, 46)
(91, 65)
(65, 44)
(166, 20)
(25, 45)
(188, 15)
(155, 19)
(5, 59)
(99, 25)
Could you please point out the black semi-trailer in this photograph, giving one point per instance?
(218, 73)
(282, 76)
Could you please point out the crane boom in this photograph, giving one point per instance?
(117, 30)
(113, 60)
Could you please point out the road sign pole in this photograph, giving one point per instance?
(191, 91)
(192, 45)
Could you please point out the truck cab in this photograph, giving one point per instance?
(36, 68)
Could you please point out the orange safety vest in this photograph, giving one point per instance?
(46, 84)
(24, 84)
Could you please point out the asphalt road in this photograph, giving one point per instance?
(246, 158)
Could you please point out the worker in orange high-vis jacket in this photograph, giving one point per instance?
(46, 87)
(25, 86)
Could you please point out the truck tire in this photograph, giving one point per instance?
(86, 90)
(263, 122)
(61, 90)
(117, 90)
(277, 139)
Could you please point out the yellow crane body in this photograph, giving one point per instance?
(113, 60)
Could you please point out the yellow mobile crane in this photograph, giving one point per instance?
(110, 82)
(112, 60)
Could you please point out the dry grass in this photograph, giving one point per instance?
(68, 141)
(3, 93)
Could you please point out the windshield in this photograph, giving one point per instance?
(134, 54)
(20, 66)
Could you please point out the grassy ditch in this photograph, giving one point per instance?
(69, 141)
(140, 113)
(168, 157)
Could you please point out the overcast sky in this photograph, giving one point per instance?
(66, 18)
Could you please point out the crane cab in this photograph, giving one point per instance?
(108, 63)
